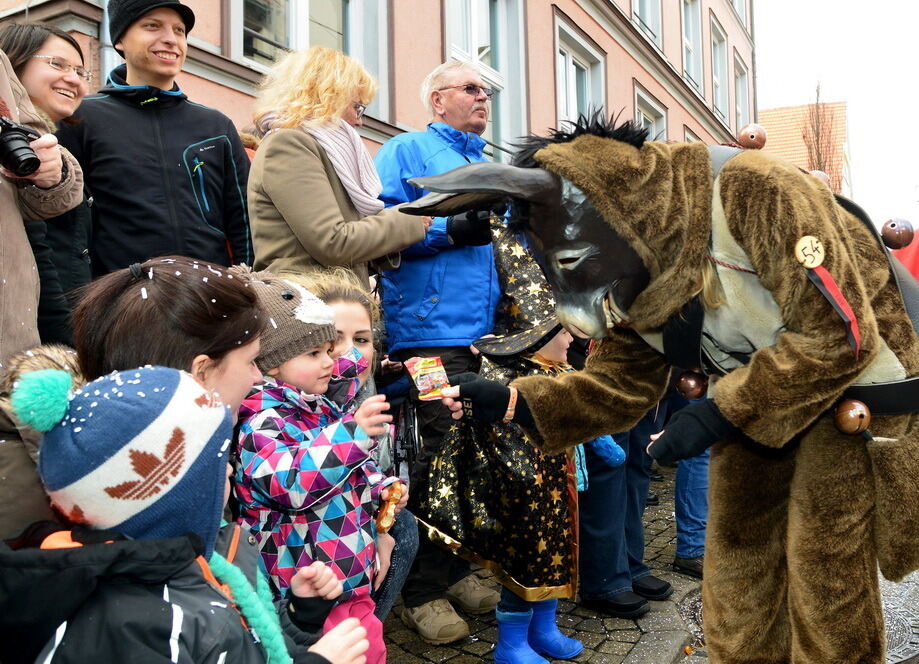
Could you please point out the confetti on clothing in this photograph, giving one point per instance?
(307, 487)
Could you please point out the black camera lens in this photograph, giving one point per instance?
(16, 154)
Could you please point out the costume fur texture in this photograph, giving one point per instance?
(799, 519)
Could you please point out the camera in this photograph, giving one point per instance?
(16, 154)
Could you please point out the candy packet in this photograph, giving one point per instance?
(429, 376)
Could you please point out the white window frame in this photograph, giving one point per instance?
(573, 51)
(647, 106)
(508, 106)
(719, 71)
(740, 8)
(690, 136)
(692, 43)
(741, 94)
(647, 15)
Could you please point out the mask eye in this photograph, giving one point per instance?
(287, 294)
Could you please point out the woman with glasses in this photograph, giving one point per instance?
(49, 63)
(313, 189)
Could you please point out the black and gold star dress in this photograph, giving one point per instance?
(492, 497)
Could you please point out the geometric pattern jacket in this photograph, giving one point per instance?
(307, 487)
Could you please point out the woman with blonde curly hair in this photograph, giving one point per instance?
(313, 189)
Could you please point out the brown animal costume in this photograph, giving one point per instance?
(799, 519)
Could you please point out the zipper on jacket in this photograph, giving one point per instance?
(198, 170)
(167, 179)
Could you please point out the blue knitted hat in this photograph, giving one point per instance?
(143, 452)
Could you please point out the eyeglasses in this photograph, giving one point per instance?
(359, 108)
(472, 90)
(66, 67)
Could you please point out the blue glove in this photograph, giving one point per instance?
(609, 450)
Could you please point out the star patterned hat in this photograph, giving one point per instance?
(527, 313)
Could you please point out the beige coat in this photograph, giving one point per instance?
(302, 217)
(18, 274)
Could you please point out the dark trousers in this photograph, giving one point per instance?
(612, 532)
(434, 569)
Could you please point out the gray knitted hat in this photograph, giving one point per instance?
(297, 319)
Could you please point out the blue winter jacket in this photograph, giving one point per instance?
(441, 295)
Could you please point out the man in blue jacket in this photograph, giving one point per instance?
(167, 176)
(441, 299)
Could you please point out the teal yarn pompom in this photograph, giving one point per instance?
(40, 398)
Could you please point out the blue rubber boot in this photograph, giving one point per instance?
(544, 636)
(512, 645)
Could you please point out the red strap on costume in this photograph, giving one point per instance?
(828, 287)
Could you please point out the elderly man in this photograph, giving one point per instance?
(441, 299)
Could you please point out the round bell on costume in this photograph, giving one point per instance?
(692, 385)
(822, 176)
(852, 417)
(897, 233)
(752, 137)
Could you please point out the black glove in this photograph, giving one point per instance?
(486, 400)
(470, 229)
(690, 432)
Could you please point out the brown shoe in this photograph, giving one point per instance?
(689, 566)
(436, 622)
(472, 595)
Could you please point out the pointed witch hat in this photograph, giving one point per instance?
(526, 318)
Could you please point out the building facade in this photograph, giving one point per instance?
(683, 68)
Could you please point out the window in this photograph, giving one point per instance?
(689, 136)
(272, 27)
(480, 32)
(650, 115)
(719, 71)
(647, 13)
(741, 95)
(740, 6)
(692, 42)
(578, 74)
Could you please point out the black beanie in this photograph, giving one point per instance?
(122, 13)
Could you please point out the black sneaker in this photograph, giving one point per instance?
(653, 499)
(689, 566)
(656, 476)
(621, 605)
(650, 587)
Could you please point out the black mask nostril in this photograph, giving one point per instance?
(287, 294)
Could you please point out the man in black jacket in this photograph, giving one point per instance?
(167, 176)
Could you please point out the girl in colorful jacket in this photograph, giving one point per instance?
(307, 487)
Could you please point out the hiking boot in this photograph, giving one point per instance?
(472, 595)
(436, 622)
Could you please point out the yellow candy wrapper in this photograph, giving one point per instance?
(429, 376)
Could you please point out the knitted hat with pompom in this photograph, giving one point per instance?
(143, 452)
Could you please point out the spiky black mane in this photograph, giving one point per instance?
(594, 124)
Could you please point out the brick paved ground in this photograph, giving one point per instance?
(656, 638)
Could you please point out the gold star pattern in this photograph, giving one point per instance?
(445, 491)
(556, 495)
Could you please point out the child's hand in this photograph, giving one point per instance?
(370, 415)
(316, 580)
(385, 544)
(403, 501)
(345, 643)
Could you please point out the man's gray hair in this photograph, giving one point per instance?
(435, 80)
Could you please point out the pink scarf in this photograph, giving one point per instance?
(352, 163)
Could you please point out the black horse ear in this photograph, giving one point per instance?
(480, 186)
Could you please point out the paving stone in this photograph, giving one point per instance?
(619, 623)
(658, 648)
(611, 647)
(663, 618)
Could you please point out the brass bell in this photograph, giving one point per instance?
(692, 385)
(752, 137)
(897, 233)
(852, 417)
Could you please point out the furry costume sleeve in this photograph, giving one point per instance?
(623, 379)
(769, 206)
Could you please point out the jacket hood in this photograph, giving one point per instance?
(140, 95)
(658, 198)
(40, 589)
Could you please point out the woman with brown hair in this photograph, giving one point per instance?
(313, 189)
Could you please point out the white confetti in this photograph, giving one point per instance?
(143, 293)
